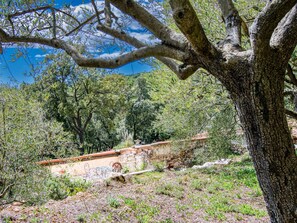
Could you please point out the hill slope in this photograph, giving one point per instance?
(218, 194)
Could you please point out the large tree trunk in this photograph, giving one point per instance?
(261, 111)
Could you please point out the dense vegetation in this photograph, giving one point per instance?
(69, 111)
(102, 111)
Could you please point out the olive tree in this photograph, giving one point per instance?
(254, 76)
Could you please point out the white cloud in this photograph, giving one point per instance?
(40, 55)
(110, 55)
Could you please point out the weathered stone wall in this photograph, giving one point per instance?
(85, 167)
(172, 154)
(101, 165)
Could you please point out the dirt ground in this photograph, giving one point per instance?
(220, 194)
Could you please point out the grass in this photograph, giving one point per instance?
(247, 209)
(171, 190)
(143, 212)
(113, 202)
(147, 178)
(219, 189)
(223, 193)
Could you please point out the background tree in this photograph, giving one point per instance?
(253, 76)
(86, 102)
(197, 105)
(186, 107)
(68, 95)
(111, 110)
(142, 112)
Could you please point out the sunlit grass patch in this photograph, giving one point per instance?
(149, 177)
(171, 190)
(247, 209)
(143, 211)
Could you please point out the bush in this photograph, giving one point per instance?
(63, 186)
(113, 202)
(159, 166)
(26, 137)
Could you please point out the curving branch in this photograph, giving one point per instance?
(150, 22)
(187, 21)
(284, 37)
(267, 20)
(141, 53)
(121, 35)
(51, 27)
(67, 14)
(232, 22)
(181, 71)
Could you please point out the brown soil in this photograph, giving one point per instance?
(140, 200)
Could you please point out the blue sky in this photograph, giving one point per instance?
(15, 70)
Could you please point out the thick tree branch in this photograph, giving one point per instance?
(267, 21)
(232, 22)
(141, 53)
(187, 21)
(182, 72)
(146, 19)
(284, 37)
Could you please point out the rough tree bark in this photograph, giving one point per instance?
(255, 77)
(260, 107)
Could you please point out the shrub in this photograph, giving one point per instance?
(26, 137)
(113, 202)
(63, 186)
(159, 166)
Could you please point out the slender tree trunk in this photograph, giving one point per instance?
(81, 141)
(295, 101)
(261, 111)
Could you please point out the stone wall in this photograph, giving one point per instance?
(139, 157)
